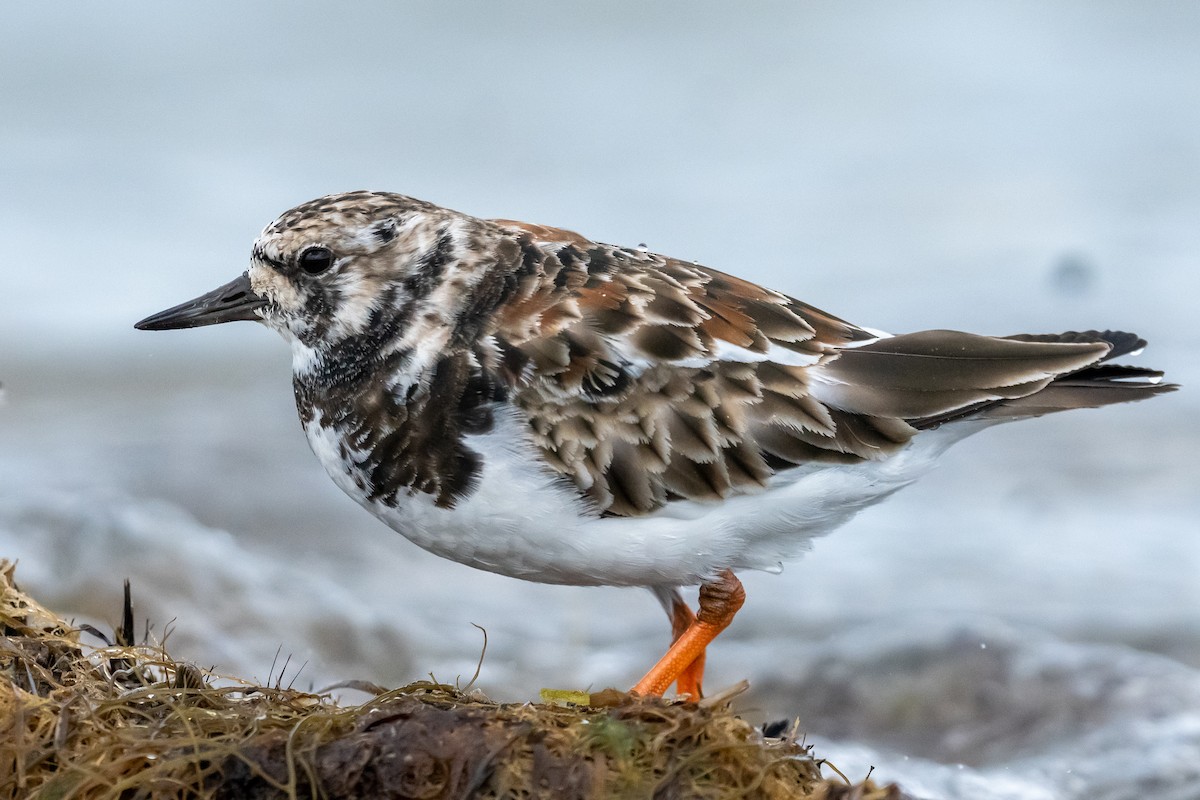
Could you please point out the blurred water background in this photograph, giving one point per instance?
(1024, 623)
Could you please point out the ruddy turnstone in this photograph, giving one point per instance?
(524, 400)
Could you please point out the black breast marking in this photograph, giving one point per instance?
(350, 361)
(427, 452)
(411, 442)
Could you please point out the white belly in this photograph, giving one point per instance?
(525, 522)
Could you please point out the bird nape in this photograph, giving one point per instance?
(524, 400)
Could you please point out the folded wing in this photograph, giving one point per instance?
(647, 380)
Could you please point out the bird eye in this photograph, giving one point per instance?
(316, 259)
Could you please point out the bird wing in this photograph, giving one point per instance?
(647, 380)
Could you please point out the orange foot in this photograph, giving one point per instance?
(684, 662)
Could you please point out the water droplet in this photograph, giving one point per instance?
(643, 248)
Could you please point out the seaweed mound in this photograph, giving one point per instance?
(127, 721)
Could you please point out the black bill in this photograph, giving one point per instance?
(233, 301)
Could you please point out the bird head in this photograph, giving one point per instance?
(340, 270)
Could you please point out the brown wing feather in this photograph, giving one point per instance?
(613, 355)
(623, 362)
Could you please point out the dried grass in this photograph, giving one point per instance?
(127, 721)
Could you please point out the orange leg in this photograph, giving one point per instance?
(689, 681)
(719, 601)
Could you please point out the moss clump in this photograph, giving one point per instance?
(127, 721)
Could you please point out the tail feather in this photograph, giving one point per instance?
(1092, 386)
(1122, 343)
(1118, 372)
(930, 374)
(1067, 394)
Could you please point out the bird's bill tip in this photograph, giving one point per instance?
(235, 300)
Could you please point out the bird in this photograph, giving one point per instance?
(524, 400)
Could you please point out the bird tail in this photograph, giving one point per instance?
(1100, 383)
(930, 378)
